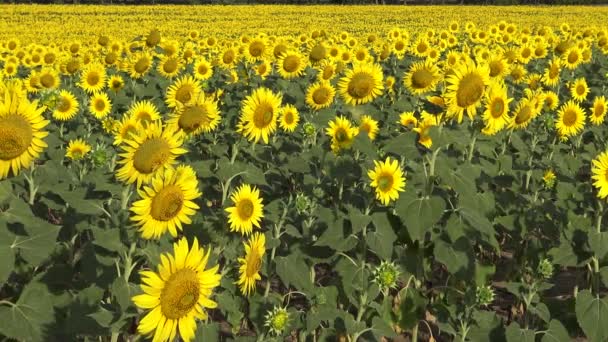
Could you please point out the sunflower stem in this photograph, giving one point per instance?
(31, 186)
(471, 148)
(598, 223)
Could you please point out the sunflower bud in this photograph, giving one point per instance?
(303, 203)
(277, 320)
(386, 275)
(545, 269)
(484, 295)
(100, 157)
(309, 129)
(549, 179)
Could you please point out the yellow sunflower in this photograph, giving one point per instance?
(49, 78)
(422, 77)
(140, 64)
(178, 294)
(290, 64)
(466, 88)
(251, 264)
(100, 105)
(369, 126)
(200, 116)
(116, 83)
(182, 91)
(600, 174)
(496, 115)
(424, 125)
(247, 211)
(579, 89)
(77, 149)
(169, 67)
(289, 118)
(259, 114)
(320, 95)
(342, 133)
(228, 58)
(126, 127)
(203, 70)
(144, 111)
(257, 49)
(93, 78)
(551, 100)
(387, 178)
(572, 58)
(66, 107)
(407, 119)
(148, 152)
(570, 119)
(21, 133)
(167, 203)
(361, 84)
(598, 112)
(551, 75)
(523, 114)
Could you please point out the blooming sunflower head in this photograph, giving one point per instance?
(361, 84)
(250, 265)
(260, 114)
(247, 211)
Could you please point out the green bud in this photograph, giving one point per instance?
(302, 203)
(386, 275)
(545, 269)
(277, 320)
(100, 157)
(309, 129)
(484, 295)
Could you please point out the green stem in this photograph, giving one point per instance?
(415, 333)
(471, 148)
(598, 223)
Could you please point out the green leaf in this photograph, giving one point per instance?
(592, 315)
(515, 333)
(364, 144)
(26, 319)
(6, 253)
(457, 257)
(381, 240)
(598, 241)
(293, 271)
(209, 331)
(38, 243)
(382, 328)
(403, 145)
(555, 332)
(420, 214)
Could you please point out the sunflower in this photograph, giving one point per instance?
(203, 70)
(10, 69)
(169, 67)
(139, 65)
(143, 111)
(259, 114)
(178, 294)
(572, 58)
(598, 112)
(361, 84)
(523, 114)
(49, 78)
(289, 118)
(498, 66)
(257, 49)
(200, 116)
(77, 149)
(551, 100)
(551, 75)
(93, 78)
(126, 127)
(342, 133)
(466, 88)
(496, 115)
(100, 105)
(407, 119)
(320, 95)
(182, 91)
(247, 211)
(116, 83)
(263, 69)
(66, 107)
(166, 203)
(518, 73)
(148, 152)
(579, 89)
(387, 178)
(228, 58)
(600, 174)
(21, 134)
(251, 264)
(570, 119)
(290, 64)
(424, 125)
(422, 77)
(369, 126)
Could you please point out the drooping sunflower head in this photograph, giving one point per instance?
(21, 133)
(200, 116)
(290, 117)
(77, 149)
(251, 264)
(259, 114)
(178, 294)
(342, 133)
(387, 179)
(182, 91)
(320, 95)
(167, 203)
(147, 152)
(66, 107)
(361, 84)
(247, 211)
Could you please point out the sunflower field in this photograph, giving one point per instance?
(430, 174)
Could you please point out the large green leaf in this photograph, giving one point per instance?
(555, 332)
(420, 214)
(382, 239)
(26, 319)
(293, 271)
(592, 315)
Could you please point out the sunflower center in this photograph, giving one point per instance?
(399, 45)
(361, 85)
(47, 80)
(228, 57)
(100, 105)
(202, 69)
(141, 65)
(385, 182)
(170, 66)
(15, 136)
(341, 135)
(598, 110)
(572, 57)
(470, 90)
(288, 118)
(318, 53)
(167, 203)
(497, 108)
(150, 155)
(421, 48)
(180, 294)
(263, 115)
(184, 94)
(524, 115)
(328, 72)
(254, 261)
(256, 49)
(570, 117)
(495, 68)
(245, 209)
(580, 89)
(291, 63)
(421, 79)
(192, 118)
(321, 95)
(64, 105)
(93, 78)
